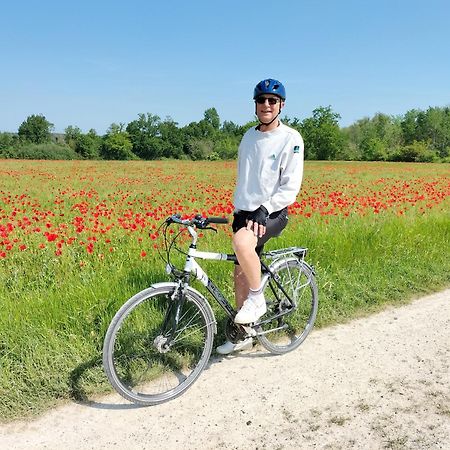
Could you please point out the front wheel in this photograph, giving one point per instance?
(289, 318)
(147, 359)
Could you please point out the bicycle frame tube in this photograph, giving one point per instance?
(223, 302)
(193, 267)
(269, 274)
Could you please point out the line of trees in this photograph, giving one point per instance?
(421, 136)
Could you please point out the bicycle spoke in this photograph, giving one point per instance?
(139, 364)
(291, 314)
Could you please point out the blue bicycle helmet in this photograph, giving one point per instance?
(269, 86)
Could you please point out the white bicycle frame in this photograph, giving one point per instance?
(192, 266)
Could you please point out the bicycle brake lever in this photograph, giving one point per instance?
(210, 228)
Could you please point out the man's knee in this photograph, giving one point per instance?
(243, 241)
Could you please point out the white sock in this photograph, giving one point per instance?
(256, 295)
(255, 291)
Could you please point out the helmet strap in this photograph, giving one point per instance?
(268, 123)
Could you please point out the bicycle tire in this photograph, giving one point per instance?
(135, 367)
(298, 280)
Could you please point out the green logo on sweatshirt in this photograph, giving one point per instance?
(297, 149)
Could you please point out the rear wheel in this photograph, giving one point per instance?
(141, 362)
(285, 325)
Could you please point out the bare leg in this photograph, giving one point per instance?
(240, 286)
(248, 273)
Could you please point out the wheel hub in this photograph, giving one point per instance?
(160, 344)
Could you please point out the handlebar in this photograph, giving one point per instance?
(217, 220)
(198, 221)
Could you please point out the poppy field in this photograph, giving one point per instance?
(77, 238)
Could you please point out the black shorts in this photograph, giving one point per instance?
(276, 223)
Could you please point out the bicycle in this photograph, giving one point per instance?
(161, 339)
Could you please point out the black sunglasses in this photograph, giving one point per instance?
(271, 100)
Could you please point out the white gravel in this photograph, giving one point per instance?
(381, 382)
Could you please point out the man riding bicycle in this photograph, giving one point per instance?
(270, 172)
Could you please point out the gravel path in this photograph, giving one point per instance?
(381, 382)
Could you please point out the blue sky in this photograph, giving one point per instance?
(92, 63)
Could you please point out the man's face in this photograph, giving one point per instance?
(267, 107)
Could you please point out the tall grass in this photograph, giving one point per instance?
(56, 307)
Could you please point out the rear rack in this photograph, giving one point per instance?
(300, 252)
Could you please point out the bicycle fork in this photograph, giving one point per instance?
(163, 341)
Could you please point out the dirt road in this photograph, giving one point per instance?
(378, 382)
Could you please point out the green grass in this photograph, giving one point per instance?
(361, 268)
(56, 309)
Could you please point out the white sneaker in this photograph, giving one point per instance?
(252, 309)
(229, 347)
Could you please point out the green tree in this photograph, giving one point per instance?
(212, 117)
(409, 126)
(435, 123)
(374, 139)
(374, 149)
(117, 143)
(322, 135)
(173, 141)
(88, 145)
(431, 126)
(35, 129)
(226, 147)
(198, 139)
(351, 151)
(294, 123)
(8, 143)
(201, 148)
(418, 151)
(71, 135)
(207, 129)
(144, 134)
(229, 128)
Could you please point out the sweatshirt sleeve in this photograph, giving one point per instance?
(291, 175)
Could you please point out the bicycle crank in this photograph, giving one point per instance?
(235, 333)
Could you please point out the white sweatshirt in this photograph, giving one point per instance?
(270, 169)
